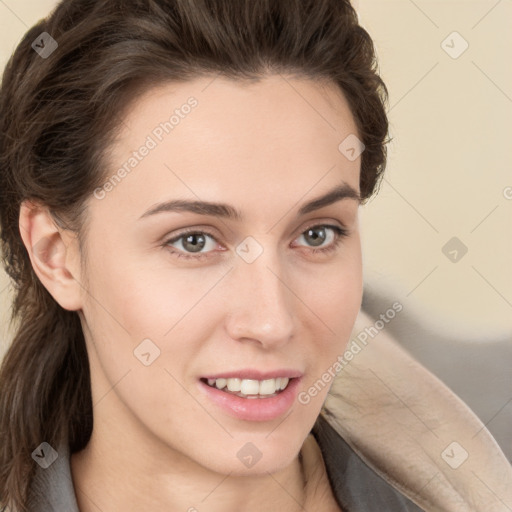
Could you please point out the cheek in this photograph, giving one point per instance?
(130, 313)
(148, 300)
(334, 293)
(335, 301)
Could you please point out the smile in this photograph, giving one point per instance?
(252, 395)
(250, 388)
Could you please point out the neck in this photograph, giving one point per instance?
(114, 473)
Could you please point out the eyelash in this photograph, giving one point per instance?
(340, 233)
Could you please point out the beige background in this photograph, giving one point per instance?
(450, 162)
(449, 175)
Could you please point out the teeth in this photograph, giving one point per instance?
(267, 387)
(234, 384)
(220, 383)
(250, 387)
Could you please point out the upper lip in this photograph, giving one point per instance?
(253, 374)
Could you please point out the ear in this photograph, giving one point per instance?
(54, 254)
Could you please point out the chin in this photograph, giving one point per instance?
(268, 463)
(259, 453)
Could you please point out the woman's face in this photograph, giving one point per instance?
(243, 297)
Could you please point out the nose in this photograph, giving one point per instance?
(261, 303)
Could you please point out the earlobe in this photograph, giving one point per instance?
(52, 254)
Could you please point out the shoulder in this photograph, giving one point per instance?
(396, 419)
(356, 486)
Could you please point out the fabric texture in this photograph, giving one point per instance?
(355, 485)
(52, 489)
(414, 432)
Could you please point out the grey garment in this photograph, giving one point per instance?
(356, 487)
(51, 489)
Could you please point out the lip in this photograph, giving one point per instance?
(252, 409)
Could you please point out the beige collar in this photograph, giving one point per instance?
(416, 433)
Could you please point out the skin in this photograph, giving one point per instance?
(266, 148)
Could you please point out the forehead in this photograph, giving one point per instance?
(321, 96)
(213, 138)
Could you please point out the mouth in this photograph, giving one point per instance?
(249, 388)
(252, 395)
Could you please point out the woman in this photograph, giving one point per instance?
(181, 182)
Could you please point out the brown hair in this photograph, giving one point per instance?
(58, 118)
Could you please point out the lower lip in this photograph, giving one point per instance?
(253, 409)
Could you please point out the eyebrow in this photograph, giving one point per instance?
(223, 210)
